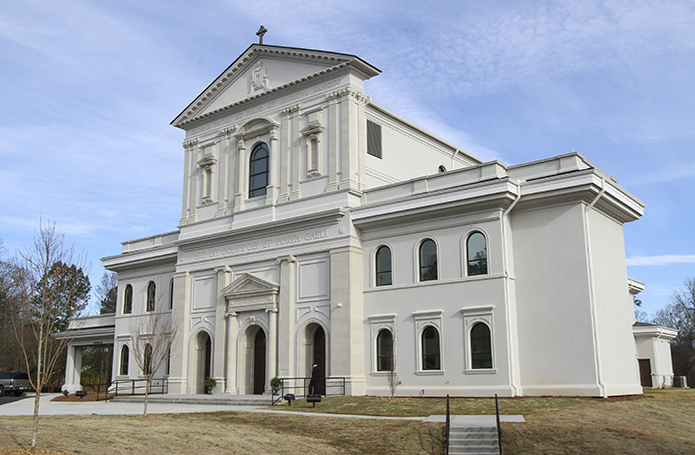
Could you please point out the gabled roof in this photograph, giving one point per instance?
(262, 70)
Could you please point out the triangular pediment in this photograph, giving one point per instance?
(249, 284)
(262, 70)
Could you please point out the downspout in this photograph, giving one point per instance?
(453, 162)
(592, 290)
(510, 356)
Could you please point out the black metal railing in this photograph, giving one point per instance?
(499, 427)
(447, 425)
(158, 386)
(333, 386)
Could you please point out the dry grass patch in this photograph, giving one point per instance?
(223, 433)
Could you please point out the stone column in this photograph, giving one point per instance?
(285, 156)
(286, 316)
(333, 153)
(241, 184)
(222, 179)
(218, 358)
(348, 140)
(232, 329)
(193, 186)
(272, 344)
(186, 197)
(272, 190)
(73, 368)
(295, 139)
(347, 321)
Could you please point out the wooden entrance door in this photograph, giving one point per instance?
(645, 372)
(259, 363)
(320, 358)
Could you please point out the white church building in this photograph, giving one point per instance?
(319, 227)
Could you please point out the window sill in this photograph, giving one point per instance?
(481, 371)
(382, 373)
(430, 372)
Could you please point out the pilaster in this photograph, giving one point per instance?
(273, 189)
(188, 147)
(285, 159)
(347, 321)
(286, 315)
(240, 197)
(218, 358)
(333, 150)
(178, 375)
(232, 329)
(296, 141)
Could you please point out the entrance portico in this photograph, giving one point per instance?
(88, 331)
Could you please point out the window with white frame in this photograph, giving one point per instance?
(125, 359)
(151, 295)
(479, 339)
(383, 266)
(128, 299)
(428, 332)
(476, 254)
(427, 259)
(383, 335)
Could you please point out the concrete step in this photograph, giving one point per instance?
(473, 440)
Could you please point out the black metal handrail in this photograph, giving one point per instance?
(447, 425)
(158, 386)
(499, 427)
(299, 387)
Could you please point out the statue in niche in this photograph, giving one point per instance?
(259, 81)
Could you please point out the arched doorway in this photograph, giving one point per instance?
(320, 358)
(203, 361)
(259, 362)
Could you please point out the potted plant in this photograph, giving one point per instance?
(276, 383)
(209, 384)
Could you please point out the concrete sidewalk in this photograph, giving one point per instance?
(24, 406)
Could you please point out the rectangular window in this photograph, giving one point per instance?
(373, 139)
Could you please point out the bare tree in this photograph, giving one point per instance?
(680, 314)
(152, 336)
(392, 374)
(52, 286)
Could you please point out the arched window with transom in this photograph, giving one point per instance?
(383, 266)
(128, 300)
(258, 170)
(151, 293)
(125, 358)
(431, 358)
(476, 251)
(428, 260)
(481, 346)
(384, 350)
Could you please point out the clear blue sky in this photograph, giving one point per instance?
(88, 88)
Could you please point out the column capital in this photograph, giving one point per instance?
(289, 258)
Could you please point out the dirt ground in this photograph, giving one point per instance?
(221, 433)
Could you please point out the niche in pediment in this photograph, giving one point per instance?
(250, 293)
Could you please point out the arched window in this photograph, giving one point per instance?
(428, 260)
(476, 249)
(147, 360)
(481, 347)
(151, 292)
(258, 170)
(128, 300)
(430, 349)
(171, 295)
(384, 350)
(383, 266)
(441, 169)
(125, 358)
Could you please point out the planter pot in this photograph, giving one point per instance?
(208, 390)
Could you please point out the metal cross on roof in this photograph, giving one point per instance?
(261, 31)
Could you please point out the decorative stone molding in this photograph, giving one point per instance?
(250, 293)
(291, 110)
(259, 80)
